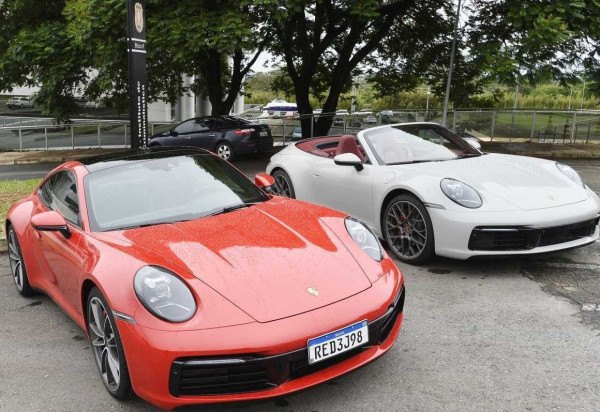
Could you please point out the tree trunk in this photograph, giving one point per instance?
(301, 88)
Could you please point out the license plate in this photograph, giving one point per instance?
(338, 342)
(264, 134)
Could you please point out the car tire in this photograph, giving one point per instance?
(107, 347)
(283, 184)
(225, 151)
(407, 229)
(17, 264)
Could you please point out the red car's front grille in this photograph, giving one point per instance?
(218, 376)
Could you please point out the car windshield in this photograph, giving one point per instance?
(165, 190)
(416, 143)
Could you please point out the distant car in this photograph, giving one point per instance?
(370, 119)
(94, 104)
(19, 102)
(227, 136)
(297, 133)
(338, 121)
(387, 113)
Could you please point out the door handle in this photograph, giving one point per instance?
(316, 173)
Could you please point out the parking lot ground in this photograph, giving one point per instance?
(505, 334)
(481, 335)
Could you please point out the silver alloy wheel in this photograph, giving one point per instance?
(406, 230)
(282, 186)
(16, 263)
(104, 344)
(224, 151)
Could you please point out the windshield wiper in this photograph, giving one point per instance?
(166, 222)
(470, 155)
(232, 208)
(414, 161)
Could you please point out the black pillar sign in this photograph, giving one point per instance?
(136, 52)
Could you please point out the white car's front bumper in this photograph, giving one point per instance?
(453, 229)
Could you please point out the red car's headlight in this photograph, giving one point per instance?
(364, 238)
(164, 294)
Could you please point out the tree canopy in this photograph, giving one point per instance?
(71, 47)
(75, 47)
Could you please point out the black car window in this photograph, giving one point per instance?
(213, 124)
(200, 125)
(186, 127)
(59, 193)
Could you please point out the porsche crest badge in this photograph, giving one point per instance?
(139, 17)
(313, 291)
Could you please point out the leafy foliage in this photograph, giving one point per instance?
(71, 47)
(325, 49)
(324, 44)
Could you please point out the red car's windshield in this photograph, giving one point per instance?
(149, 192)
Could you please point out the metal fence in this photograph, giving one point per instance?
(27, 133)
(486, 125)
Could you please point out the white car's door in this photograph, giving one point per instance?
(344, 188)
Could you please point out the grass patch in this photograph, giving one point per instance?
(10, 192)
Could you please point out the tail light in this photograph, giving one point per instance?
(243, 132)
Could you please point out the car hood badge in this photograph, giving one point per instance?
(313, 291)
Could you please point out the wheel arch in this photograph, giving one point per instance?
(387, 199)
(86, 288)
(283, 169)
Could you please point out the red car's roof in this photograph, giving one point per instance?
(104, 161)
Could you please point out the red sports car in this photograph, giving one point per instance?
(197, 286)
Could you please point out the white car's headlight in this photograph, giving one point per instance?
(570, 173)
(364, 238)
(164, 294)
(461, 193)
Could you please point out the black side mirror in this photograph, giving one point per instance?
(349, 159)
(174, 132)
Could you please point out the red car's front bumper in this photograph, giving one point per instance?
(153, 356)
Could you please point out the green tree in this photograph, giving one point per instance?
(35, 49)
(533, 40)
(70, 47)
(324, 43)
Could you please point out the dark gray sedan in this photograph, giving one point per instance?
(227, 136)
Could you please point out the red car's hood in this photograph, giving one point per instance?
(263, 258)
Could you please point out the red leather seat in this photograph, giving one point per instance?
(348, 144)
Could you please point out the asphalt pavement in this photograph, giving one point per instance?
(502, 334)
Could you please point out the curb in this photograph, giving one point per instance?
(3, 245)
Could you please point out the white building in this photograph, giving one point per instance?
(188, 105)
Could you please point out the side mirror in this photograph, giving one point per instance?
(348, 159)
(473, 142)
(50, 222)
(173, 132)
(264, 181)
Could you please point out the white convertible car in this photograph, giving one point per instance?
(427, 191)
